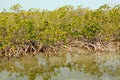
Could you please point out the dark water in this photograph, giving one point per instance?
(64, 67)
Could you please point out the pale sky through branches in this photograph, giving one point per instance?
(53, 4)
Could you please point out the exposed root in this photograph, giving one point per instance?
(32, 48)
(97, 46)
(67, 48)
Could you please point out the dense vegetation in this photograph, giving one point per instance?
(36, 30)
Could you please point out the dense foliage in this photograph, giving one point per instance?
(19, 26)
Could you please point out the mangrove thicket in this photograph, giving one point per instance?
(34, 31)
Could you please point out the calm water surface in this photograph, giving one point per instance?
(63, 67)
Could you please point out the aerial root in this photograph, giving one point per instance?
(29, 49)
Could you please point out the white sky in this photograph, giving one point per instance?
(53, 4)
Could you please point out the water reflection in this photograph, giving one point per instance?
(65, 67)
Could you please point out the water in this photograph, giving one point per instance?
(68, 66)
